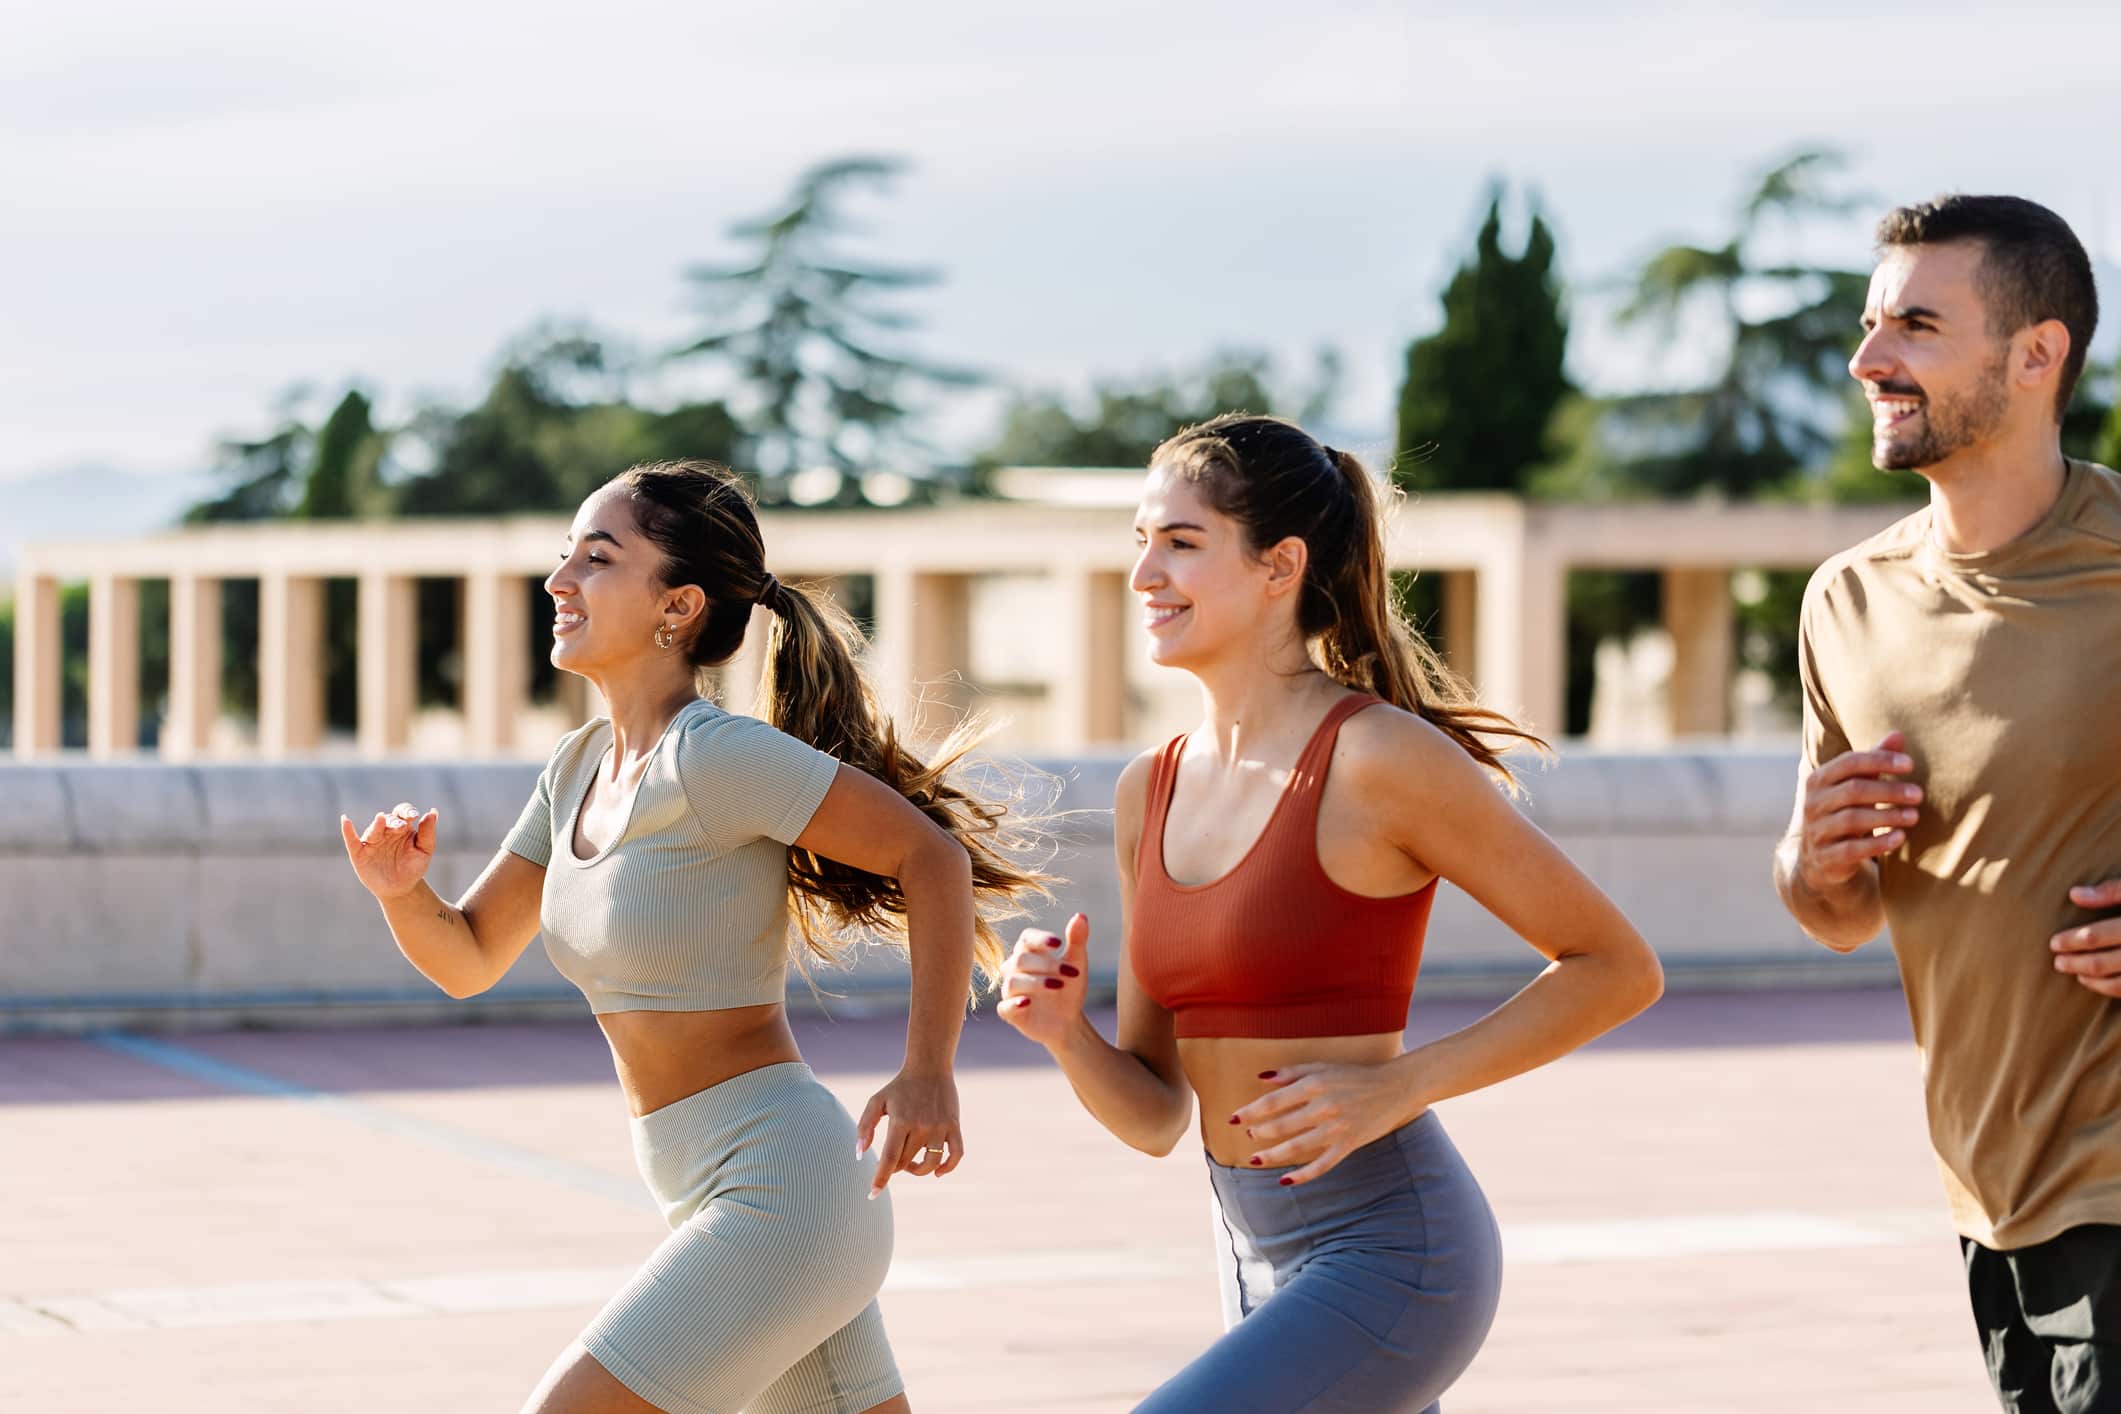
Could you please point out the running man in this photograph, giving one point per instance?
(1962, 778)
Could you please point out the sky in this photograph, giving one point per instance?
(202, 205)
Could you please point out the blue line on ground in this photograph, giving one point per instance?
(196, 1065)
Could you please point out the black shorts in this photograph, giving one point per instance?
(2050, 1320)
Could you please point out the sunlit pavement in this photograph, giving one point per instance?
(1727, 1206)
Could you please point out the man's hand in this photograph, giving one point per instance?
(1851, 814)
(2091, 952)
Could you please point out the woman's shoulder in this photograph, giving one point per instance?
(571, 745)
(704, 725)
(712, 740)
(1386, 748)
(1130, 795)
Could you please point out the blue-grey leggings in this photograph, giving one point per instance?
(1365, 1291)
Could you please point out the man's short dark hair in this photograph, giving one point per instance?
(2033, 267)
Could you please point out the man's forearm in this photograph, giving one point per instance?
(1843, 917)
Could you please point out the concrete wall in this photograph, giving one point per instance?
(171, 895)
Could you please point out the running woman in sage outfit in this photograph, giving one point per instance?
(1277, 865)
(659, 855)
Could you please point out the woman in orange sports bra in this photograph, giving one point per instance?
(1277, 865)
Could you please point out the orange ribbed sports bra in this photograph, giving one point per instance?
(1274, 947)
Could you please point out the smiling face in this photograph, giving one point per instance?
(1203, 592)
(607, 593)
(1937, 379)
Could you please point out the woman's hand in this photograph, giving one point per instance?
(1317, 1114)
(391, 856)
(1043, 982)
(919, 1115)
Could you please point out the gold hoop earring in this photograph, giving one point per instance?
(663, 636)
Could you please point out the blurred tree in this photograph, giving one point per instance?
(1124, 422)
(263, 477)
(2092, 427)
(1478, 400)
(331, 472)
(795, 326)
(1782, 334)
(553, 427)
(485, 459)
(1480, 393)
(1767, 422)
(341, 481)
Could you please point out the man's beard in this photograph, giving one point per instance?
(1951, 425)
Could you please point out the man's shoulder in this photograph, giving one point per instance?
(2099, 509)
(1831, 581)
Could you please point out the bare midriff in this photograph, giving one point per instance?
(1224, 1072)
(663, 1056)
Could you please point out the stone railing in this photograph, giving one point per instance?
(169, 895)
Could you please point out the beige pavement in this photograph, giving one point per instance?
(1728, 1208)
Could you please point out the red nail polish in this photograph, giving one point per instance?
(1233, 1119)
(1055, 982)
(1067, 971)
(1268, 1074)
(1255, 1163)
(1286, 1180)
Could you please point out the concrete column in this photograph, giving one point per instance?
(37, 662)
(891, 642)
(387, 662)
(1460, 621)
(194, 666)
(1699, 616)
(290, 664)
(113, 665)
(496, 659)
(923, 639)
(942, 651)
(1521, 641)
(1088, 704)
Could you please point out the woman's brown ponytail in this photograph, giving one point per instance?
(698, 514)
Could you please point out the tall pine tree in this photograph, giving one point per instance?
(799, 328)
(1480, 392)
(342, 471)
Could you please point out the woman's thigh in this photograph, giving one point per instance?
(1315, 1345)
(1368, 1291)
(736, 1298)
(852, 1370)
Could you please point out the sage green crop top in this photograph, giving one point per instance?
(687, 910)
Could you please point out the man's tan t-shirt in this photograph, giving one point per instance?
(2003, 669)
